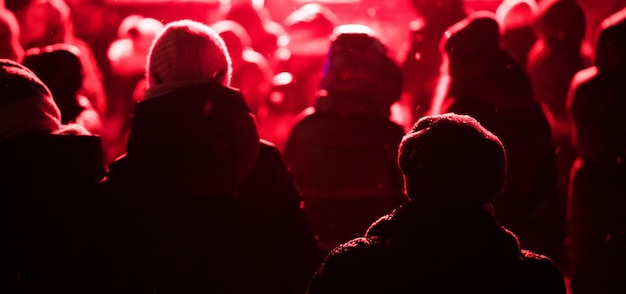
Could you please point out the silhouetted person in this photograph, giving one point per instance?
(309, 29)
(598, 183)
(199, 204)
(342, 151)
(59, 67)
(10, 47)
(252, 73)
(557, 55)
(482, 80)
(420, 64)
(517, 27)
(264, 33)
(48, 22)
(49, 179)
(445, 240)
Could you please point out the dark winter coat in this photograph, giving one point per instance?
(343, 157)
(48, 187)
(198, 205)
(422, 250)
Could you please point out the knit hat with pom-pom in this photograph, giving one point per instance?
(452, 160)
(188, 51)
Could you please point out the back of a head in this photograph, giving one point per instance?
(561, 21)
(312, 18)
(451, 160)
(514, 14)
(187, 50)
(611, 44)
(44, 22)
(10, 47)
(60, 68)
(235, 37)
(358, 65)
(477, 34)
(26, 104)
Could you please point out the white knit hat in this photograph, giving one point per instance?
(187, 50)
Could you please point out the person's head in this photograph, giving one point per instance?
(26, 104)
(235, 37)
(451, 160)
(561, 21)
(59, 67)
(515, 14)
(44, 22)
(611, 44)
(140, 30)
(10, 47)
(309, 28)
(358, 65)
(187, 50)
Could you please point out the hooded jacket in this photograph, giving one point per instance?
(199, 204)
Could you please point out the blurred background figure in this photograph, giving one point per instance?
(482, 80)
(342, 152)
(127, 58)
(252, 73)
(598, 183)
(49, 178)
(309, 29)
(59, 67)
(421, 59)
(10, 47)
(558, 54)
(265, 34)
(517, 27)
(48, 22)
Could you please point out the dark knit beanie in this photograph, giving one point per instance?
(358, 64)
(451, 159)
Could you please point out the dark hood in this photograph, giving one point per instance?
(197, 139)
(611, 45)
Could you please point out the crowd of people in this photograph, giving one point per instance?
(249, 155)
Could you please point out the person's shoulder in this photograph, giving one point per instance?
(541, 271)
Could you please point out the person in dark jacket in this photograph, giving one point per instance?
(598, 178)
(50, 176)
(482, 80)
(199, 204)
(445, 240)
(342, 152)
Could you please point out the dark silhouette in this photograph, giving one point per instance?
(10, 47)
(44, 23)
(445, 239)
(59, 67)
(557, 55)
(421, 62)
(49, 174)
(199, 204)
(482, 80)
(598, 179)
(342, 152)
